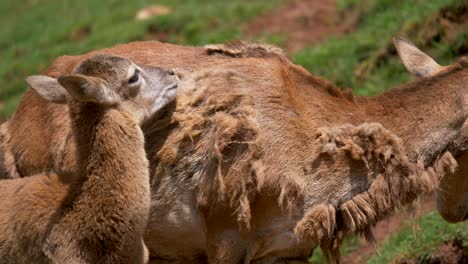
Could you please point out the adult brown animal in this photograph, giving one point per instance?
(98, 214)
(258, 161)
(452, 194)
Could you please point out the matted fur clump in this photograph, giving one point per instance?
(399, 182)
(213, 141)
(7, 159)
(244, 49)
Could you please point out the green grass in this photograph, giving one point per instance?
(434, 231)
(34, 32)
(340, 59)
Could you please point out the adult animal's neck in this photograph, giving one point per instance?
(427, 115)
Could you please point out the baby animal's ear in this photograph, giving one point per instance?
(47, 87)
(89, 89)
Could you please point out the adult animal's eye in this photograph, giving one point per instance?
(135, 77)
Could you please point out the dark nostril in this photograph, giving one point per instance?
(180, 75)
(171, 72)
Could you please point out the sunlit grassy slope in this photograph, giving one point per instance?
(432, 232)
(417, 238)
(34, 32)
(363, 60)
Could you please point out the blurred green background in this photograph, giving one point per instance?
(345, 41)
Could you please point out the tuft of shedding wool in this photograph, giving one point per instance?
(8, 168)
(399, 182)
(245, 49)
(291, 192)
(213, 140)
(318, 223)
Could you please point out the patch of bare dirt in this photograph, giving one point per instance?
(304, 22)
(19, 52)
(451, 252)
(80, 33)
(385, 228)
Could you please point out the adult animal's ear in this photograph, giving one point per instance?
(47, 87)
(416, 62)
(88, 89)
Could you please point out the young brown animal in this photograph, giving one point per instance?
(98, 214)
(259, 161)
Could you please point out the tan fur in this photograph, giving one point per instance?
(399, 181)
(452, 194)
(98, 213)
(258, 161)
(7, 160)
(417, 62)
(211, 129)
(240, 49)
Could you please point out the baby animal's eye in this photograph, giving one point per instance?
(135, 77)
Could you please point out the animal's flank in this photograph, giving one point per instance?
(216, 129)
(244, 49)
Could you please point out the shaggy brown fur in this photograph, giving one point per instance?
(97, 215)
(397, 182)
(7, 160)
(243, 49)
(452, 194)
(259, 162)
(219, 134)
